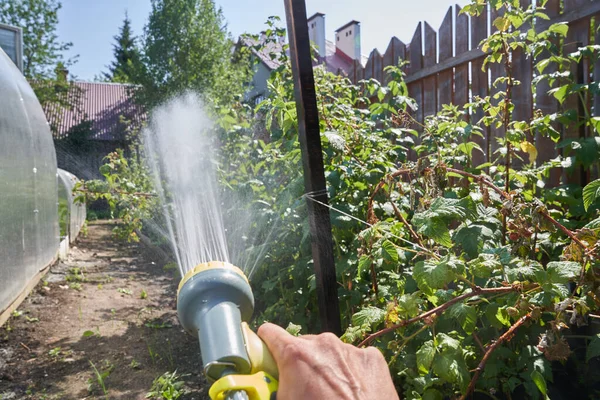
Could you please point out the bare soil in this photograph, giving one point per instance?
(47, 352)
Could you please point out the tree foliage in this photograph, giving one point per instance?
(186, 47)
(44, 64)
(126, 66)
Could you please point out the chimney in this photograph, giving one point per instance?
(347, 40)
(316, 32)
(62, 73)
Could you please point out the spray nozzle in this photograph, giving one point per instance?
(214, 303)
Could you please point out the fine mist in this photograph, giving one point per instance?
(181, 153)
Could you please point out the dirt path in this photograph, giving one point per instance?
(109, 304)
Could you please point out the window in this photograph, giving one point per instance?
(338, 38)
(350, 32)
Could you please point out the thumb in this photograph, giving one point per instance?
(276, 338)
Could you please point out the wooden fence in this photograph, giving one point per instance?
(446, 67)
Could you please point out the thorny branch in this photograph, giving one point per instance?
(507, 336)
(477, 291)
(542, 212)
(484, 180)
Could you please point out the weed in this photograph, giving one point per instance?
(90, 333)
(31, 319)
(135, 365)
(170, 266)
(44, 283)
(75, 275)
(99, 379)
(125, 291)
(153, 355)
(158, 324)
(84, 229)
(100, 286)
(167, 386)
(144, 294)
(17, 314)
(55, 353)
(75, 286)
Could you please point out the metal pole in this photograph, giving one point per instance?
(312, 161)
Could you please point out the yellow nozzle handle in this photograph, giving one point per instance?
(258, 353)
(259, 386)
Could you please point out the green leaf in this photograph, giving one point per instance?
(389, 251)
(432, 394)
(595, 122)
(472, 238)
(364, 264)
(88, 334)
(593, 349)
(452, 368)
(484, 265)
(540, 382)
(370, 316)
(562, 271)
(560, 29)
(561, 93)
(467, 148)
(466, 316)
(425, 357)
(591, 192)
(431, 274)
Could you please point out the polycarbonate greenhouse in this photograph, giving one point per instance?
(72, 214)
(29, 233)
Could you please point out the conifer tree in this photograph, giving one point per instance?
(126, 65)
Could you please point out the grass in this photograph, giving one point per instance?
(167, 386)
(99, 378)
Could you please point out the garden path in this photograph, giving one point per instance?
(110, 304)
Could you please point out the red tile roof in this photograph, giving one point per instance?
(105, 104)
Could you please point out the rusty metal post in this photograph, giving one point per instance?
(312, 161)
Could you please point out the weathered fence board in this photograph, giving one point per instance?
(429, 83)
(445, 80)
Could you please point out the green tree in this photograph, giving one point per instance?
(187, 47)
(126, 65)
(42, 51)
(44, 64)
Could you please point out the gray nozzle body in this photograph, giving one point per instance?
(212, 305)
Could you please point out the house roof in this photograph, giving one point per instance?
(105, 104)
(353, 22)
(334, 61)
(266, 51)
(315, 15)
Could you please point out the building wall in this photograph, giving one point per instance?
(29, 234)
(348, 41)
(259, 82)
(316, 33)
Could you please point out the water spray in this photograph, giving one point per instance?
(215, 303)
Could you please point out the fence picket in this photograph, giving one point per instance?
(429, 83)
(394, 53)
(445, 81)
(479, 78)
(577, 36)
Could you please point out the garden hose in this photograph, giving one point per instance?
(214, 303)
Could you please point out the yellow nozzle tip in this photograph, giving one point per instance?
(210, 265)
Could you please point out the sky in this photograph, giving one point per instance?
(91, 24)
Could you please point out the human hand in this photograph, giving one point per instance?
(323, 367)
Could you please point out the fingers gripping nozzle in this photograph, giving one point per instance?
(214, 302)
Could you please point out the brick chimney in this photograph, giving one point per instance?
(347, 40)
(316, 32)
